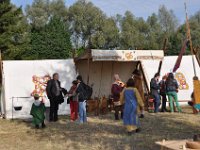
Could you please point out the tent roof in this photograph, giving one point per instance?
(121, 55)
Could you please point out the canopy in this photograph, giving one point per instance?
(122, 55)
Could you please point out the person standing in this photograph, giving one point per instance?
(172, 89)
(155, 87)
(73, 97)
(81, 99)
(54, 94)
(163, 93)
(116, 89)
(132, 99)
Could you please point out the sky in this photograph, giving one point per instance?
(140, 8)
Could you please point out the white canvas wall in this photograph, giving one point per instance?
(186, 68)
(17, 79)
(150, 67)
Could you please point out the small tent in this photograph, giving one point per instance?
(97, 67)
(20, 79)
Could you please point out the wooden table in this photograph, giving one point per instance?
(173, 145)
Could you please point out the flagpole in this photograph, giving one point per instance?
(190, 40)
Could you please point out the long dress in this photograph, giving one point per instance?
(132, 99)
(73, 103)
(38, 113)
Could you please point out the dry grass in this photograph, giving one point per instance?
(100, 133)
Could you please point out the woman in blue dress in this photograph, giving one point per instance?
(132, 102)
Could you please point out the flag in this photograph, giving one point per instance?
(178, 61)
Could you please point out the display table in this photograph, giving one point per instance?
(173, 145)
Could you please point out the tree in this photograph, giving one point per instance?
(38, 13)
(129, 32)
(85, 21)
(41, 11)
(168, 23)
(167, 19)
(13, 31)
(58, 9)
(195, 29)
(50, 42)
(108, 35)
(143, 29)
(155, 36)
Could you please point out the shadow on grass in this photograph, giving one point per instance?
(104, 133)
(101, 132)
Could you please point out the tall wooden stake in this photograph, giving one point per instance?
(196, 82)
(190, 40)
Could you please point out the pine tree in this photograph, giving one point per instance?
(50, 42)
(13, 35)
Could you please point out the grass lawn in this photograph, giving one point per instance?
(100, 133)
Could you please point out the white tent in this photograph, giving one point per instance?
(186, 69)
(97, 67)
(184, 73)
(18, 84)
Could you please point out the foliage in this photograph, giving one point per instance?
(41, 11)
(85, 22)
(13, 31)
(53, 30)
(50, 42)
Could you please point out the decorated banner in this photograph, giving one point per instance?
(183, 85)
(126, 55)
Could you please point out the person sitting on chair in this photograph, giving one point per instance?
(196, 108)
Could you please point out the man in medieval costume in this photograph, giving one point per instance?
(116, 89)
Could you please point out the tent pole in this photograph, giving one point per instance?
(190, 40)
(161, 61)
(0, 83)
(2, 101)
(145, 80)
(100, 78)
(196, 81)
(88, 63)
(111, 78)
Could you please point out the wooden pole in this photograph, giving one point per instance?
(164, 49)
(2, 101)
(190, 40)
(88, 63)
(196, 82)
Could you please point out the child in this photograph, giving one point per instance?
(73, 101)
(37, 111)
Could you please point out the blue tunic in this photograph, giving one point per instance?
(130, 108)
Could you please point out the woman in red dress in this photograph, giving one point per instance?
(73, 101)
